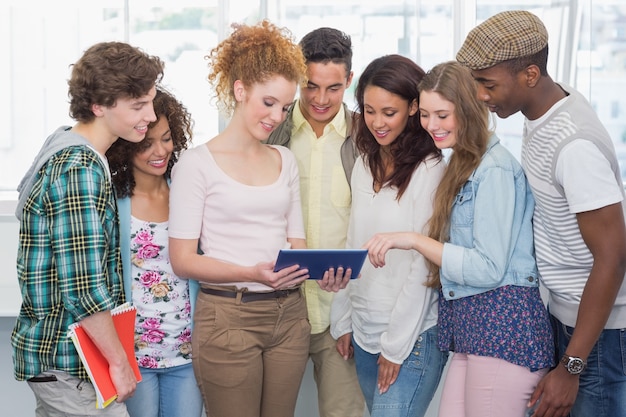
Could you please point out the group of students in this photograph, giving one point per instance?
(456, 245)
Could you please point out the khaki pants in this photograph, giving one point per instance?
(339, 393)
(249, 358)
(59, 394)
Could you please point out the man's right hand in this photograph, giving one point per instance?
(558, 390)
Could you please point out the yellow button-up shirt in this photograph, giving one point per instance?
(325, 195)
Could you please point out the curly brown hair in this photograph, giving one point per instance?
(121, 153)
(253, 54)
(108, 71)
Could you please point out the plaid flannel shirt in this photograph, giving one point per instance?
(68, 261)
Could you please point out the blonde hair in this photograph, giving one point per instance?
(253, 54)
(454, 83)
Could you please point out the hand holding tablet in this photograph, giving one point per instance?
(318, 261)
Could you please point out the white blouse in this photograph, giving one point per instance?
(387, 308)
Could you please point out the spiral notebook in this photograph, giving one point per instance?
(95, 363)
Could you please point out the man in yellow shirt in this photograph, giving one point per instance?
(317, 129)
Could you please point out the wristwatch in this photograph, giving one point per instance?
(573, 364)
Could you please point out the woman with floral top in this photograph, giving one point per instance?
(164, 301)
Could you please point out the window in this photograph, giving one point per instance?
(41, 39)
(615, 109)
(417, 29)
(181, 34)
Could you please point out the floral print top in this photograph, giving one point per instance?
(509, 323)
(163, 325)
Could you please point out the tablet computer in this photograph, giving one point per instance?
(318, 261)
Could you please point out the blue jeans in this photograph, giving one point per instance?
(417, 381)
(166, 392)
(602, 390)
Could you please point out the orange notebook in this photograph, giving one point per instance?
(95, 363)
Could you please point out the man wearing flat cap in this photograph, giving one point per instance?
(580, 236)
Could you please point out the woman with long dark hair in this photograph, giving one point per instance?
(388, 317)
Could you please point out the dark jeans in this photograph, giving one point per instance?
(602, 391)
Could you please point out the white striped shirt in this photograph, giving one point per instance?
(560, 153)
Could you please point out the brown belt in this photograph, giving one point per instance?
(247, 296)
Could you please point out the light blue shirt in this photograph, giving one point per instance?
(491, 232)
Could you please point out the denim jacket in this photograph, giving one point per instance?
(491, 233)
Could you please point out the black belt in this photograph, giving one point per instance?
(247, 296)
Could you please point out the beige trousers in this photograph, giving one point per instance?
(249, 358)
(338, 390)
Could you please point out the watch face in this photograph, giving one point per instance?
(575, 365)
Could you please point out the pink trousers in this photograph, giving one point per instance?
(478, 386)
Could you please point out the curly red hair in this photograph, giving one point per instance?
(253, 54)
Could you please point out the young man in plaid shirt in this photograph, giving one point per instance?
(68, 261)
